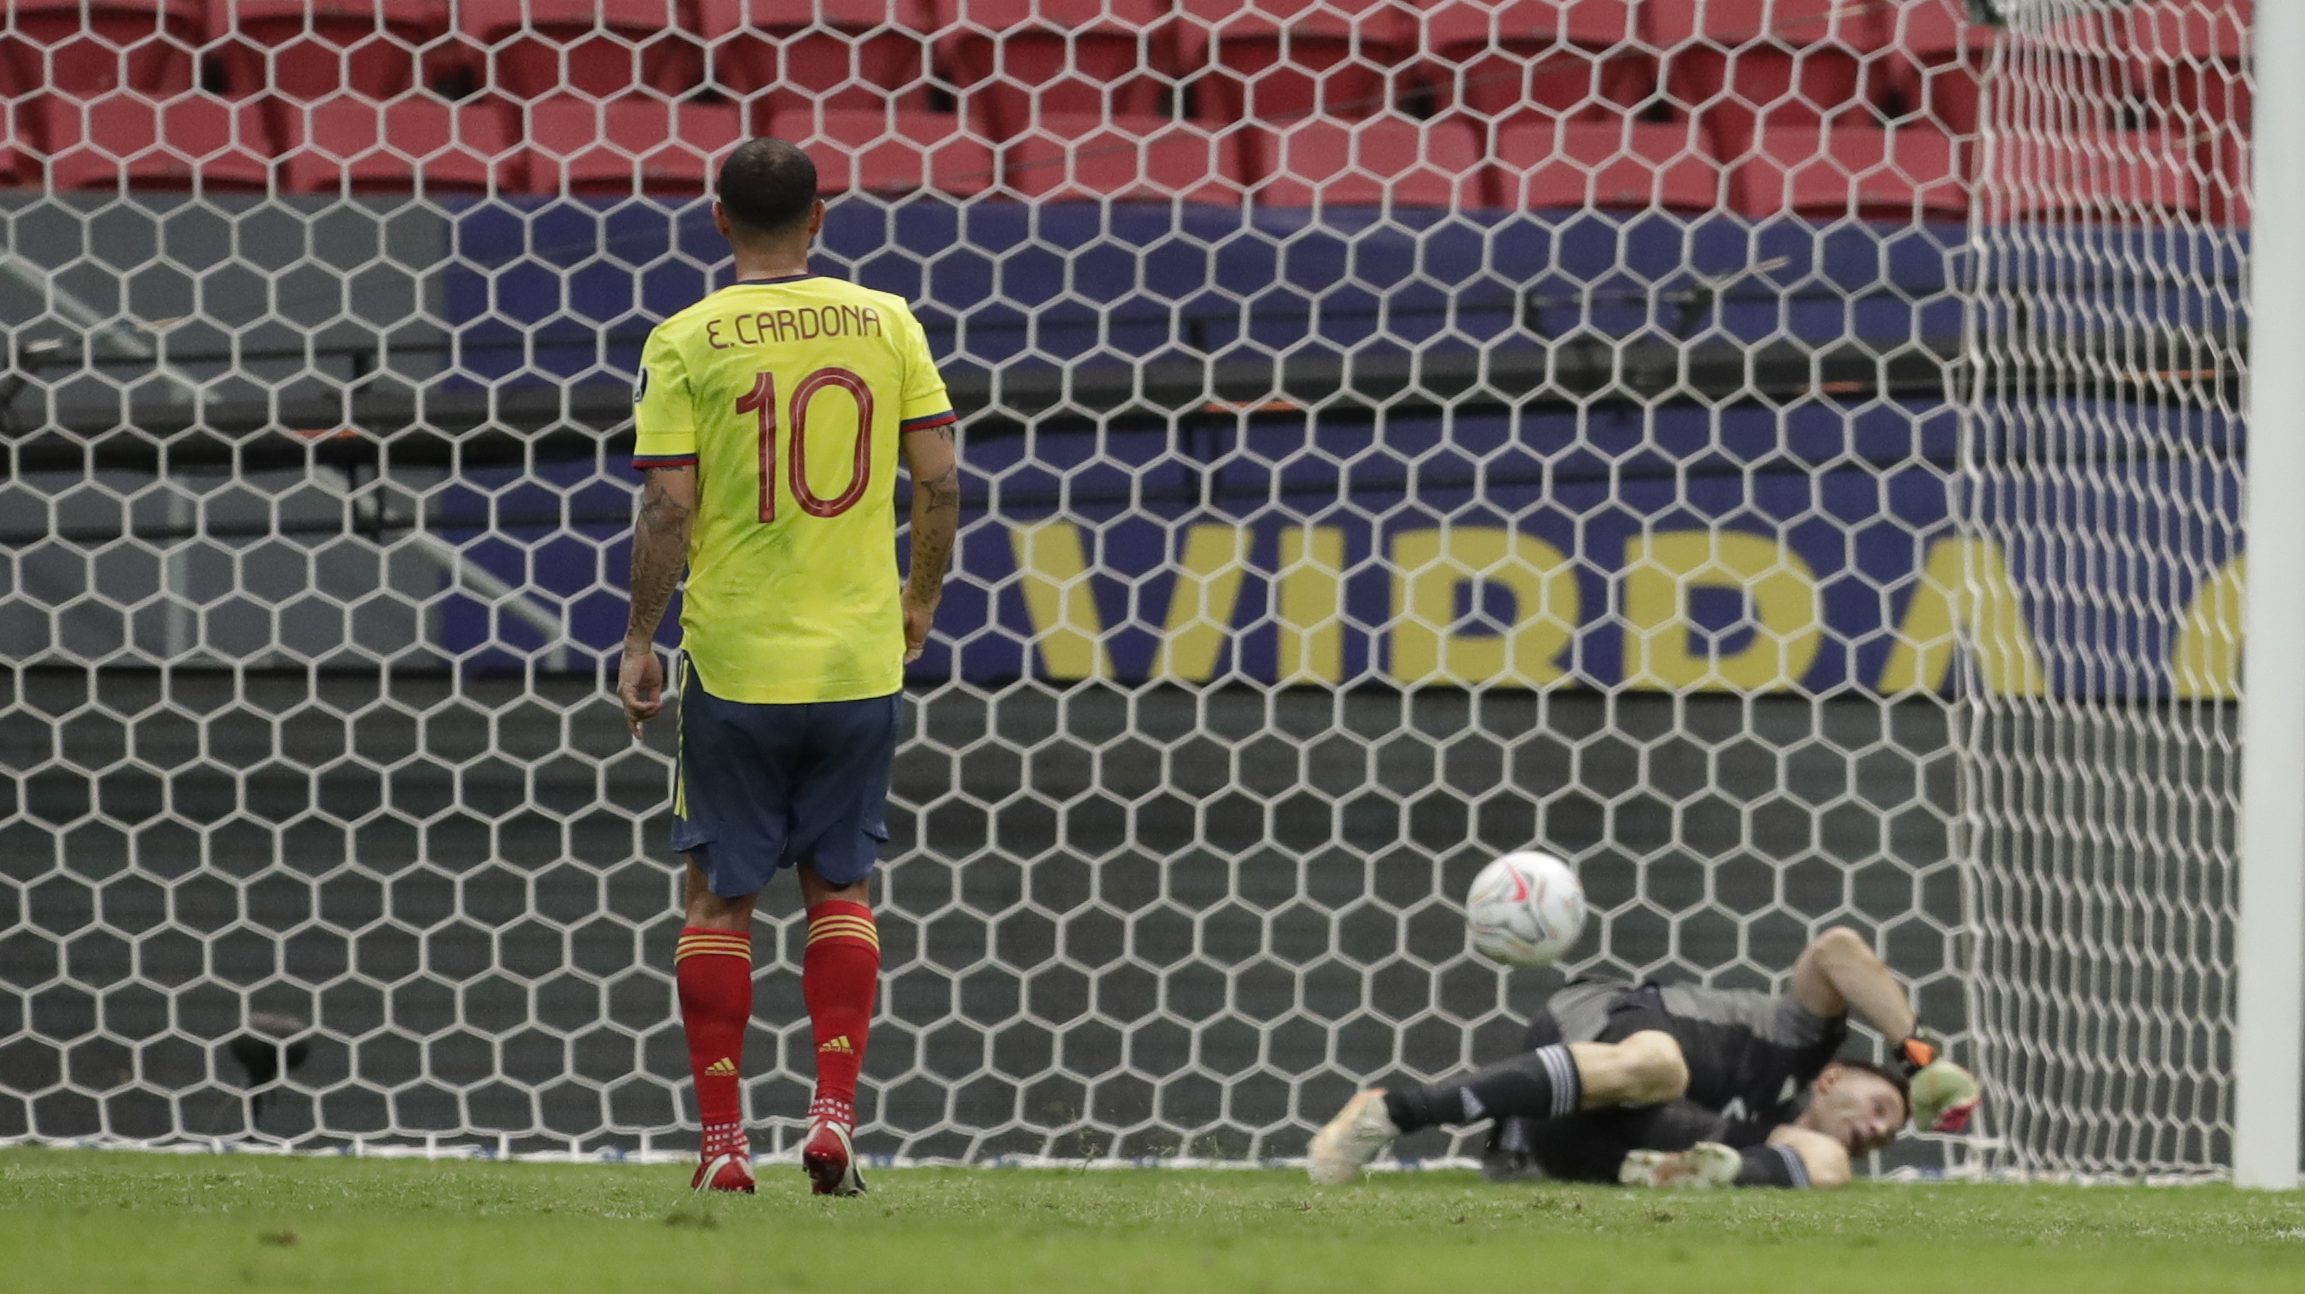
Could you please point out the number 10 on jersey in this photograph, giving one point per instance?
(761, 402)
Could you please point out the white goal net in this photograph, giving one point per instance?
(1774, 453)
(2102, 474)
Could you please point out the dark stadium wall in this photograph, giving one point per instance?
(261, 303)
(260, 298)
(1206, 938)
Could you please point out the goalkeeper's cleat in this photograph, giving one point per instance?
(829, 1159)
(1704, 1165)
(729, 1171)
(1347, 1143)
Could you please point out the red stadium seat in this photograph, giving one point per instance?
(87, 48)
(2210, 98)
(1937, 62)
(2207, 28)
(1009, 57)
(1500, 58)
(2111, 67)
(602, 48)
(418, 144)
(1275, 60)
(1383, 161)
(2117, 177)
(2196, 48)
(192, 141)
(1079, 156)
(1907, 173)
(1626, 164)
(1740, 65)
(844, 54)
(621, 148)
(891, 153)
(311, 49)
(15, 166)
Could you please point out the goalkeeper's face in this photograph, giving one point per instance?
(1860, 1110)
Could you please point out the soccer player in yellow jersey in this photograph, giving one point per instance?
(769, 419)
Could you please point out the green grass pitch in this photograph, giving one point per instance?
(95, 1222)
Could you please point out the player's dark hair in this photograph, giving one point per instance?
(768, 186)
(1886, 1075)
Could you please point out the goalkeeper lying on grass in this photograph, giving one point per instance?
(1674, 1085)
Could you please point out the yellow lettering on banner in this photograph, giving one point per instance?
(1312, 601)
(1662, 647)
(1059, 600)
(1430, 566)
(2206, 661)
(1202, 601)
(1965, 593)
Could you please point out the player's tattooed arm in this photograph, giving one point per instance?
(659, 549)
(659, 555)
(935, 468)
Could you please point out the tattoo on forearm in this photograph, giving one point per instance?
(942, 492)
(659, 555)
(935, 518)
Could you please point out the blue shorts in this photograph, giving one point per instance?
(762, 787)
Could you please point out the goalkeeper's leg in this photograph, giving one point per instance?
(1646, 1068)
(1562, 1078)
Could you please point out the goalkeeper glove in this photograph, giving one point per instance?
(1945, 1096)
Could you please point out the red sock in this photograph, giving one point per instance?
(838, 976)
(714, 971)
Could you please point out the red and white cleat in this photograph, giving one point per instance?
(729, 1171)
(829, 1158)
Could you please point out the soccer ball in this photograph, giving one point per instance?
(1525, 909)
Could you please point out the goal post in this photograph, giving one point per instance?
(2269, 1010)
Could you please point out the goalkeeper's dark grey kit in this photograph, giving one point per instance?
(1751, 1057)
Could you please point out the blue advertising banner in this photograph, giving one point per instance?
(1742, 548)
(1678, 550)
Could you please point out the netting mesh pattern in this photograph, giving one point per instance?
(2103, 799)
(1396, 434)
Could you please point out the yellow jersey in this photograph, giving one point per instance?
(789, 395)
